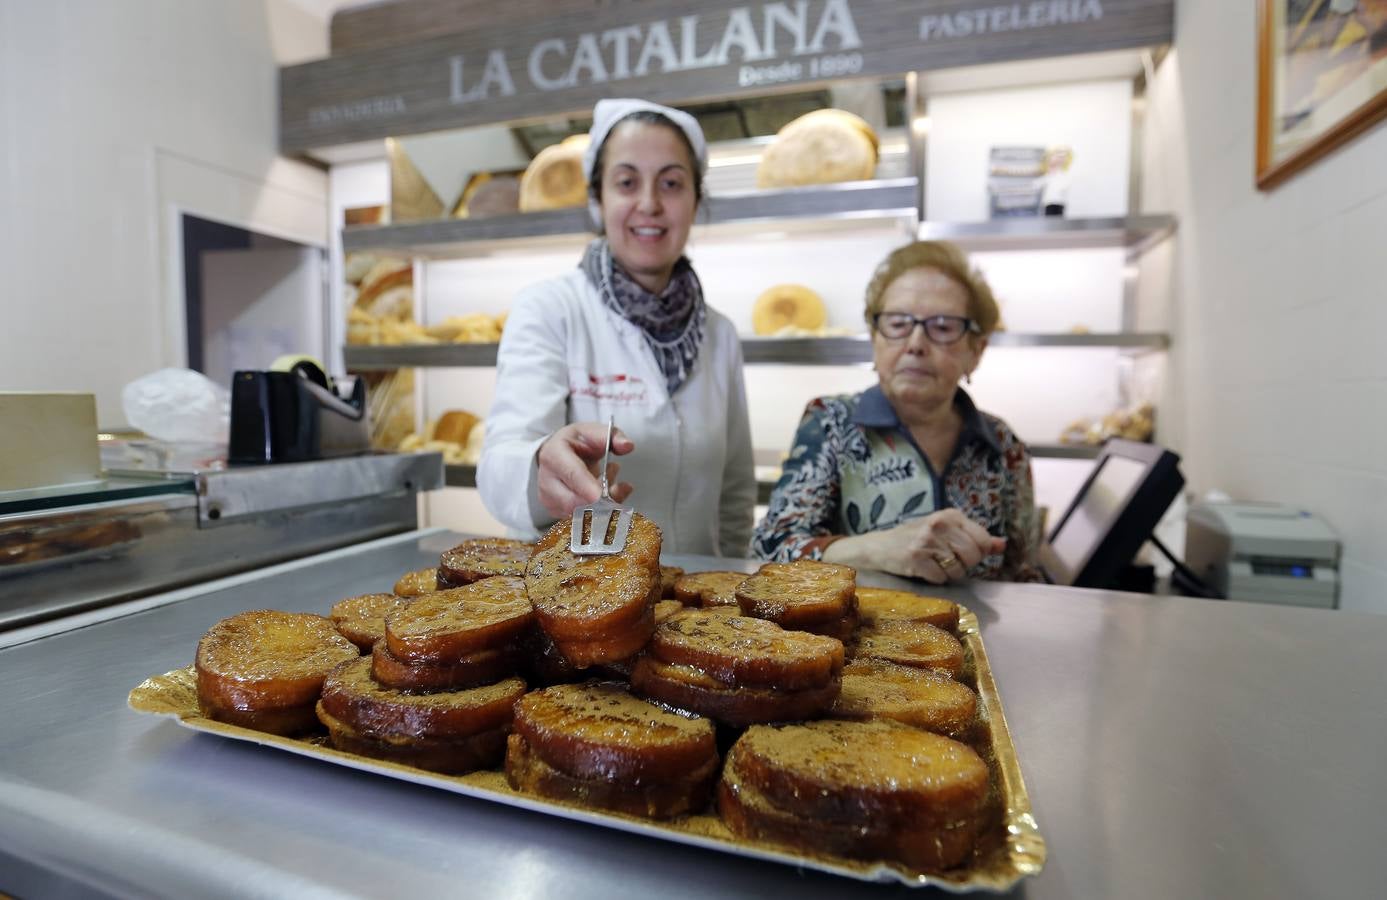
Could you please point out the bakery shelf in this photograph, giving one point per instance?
(451, 238)
(363, 358)
(1136, 233)
(808, 351)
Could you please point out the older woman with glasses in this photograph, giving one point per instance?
(909, 477)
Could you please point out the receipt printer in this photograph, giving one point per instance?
(1264, 553)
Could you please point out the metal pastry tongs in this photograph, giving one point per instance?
(599, 516)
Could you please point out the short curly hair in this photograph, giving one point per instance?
(949, 260)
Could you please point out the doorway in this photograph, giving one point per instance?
(250, 298)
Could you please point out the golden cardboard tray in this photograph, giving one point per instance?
(1011, 847)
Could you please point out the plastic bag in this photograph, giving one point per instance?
(178, 405)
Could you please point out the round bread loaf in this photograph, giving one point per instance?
(554, 179)
(821, 147)
(787, 305)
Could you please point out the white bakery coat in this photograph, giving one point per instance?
(565, 357)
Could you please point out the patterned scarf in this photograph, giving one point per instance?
(672, 321)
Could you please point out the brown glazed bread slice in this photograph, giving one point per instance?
(472, 670)
(924, 698)
(933, 847)
(479, 558)
(668, 576)
(412, 584)
(910, 644)
(708, 588)
(528, 773)
(609, 650)
(588, 600)
(745, 652)
(361, 620)
(445, 626)
(879, 605)
(803, 592)
(352, 696)
(687, 688)
(262, 669)
(868, 773)
(484, 750)
(599, 730)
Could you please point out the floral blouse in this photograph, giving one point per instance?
(855, 468)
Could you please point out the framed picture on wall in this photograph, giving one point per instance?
(1321, 79)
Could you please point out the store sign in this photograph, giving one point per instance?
(724, 49)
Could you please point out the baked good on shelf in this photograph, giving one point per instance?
(597, 609)
(455, 425)
(924, 698)
(375, 719)
(911, 644)
(479, 558)
(876, 605)
(488, 194)
(554, 179)
(820, 147)
(804, 594)
(422, 581)
(787, 306)
(264, 669)
(715, 588)
(596, 744)
(444, 627)
(860, 789)
(361, 619)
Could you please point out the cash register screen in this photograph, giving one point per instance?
(1112, 486)
(1130, 488)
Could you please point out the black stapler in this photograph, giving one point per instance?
(296, 415)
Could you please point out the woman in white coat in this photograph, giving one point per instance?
(626, 334)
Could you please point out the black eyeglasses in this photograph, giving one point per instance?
(944, 330)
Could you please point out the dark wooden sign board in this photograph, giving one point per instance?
(674, 52)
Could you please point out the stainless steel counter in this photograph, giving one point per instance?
(1172, 748)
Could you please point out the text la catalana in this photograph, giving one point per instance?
(751, 34)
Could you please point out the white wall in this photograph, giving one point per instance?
(114, 118)
(1092, 118)
(1279, 377)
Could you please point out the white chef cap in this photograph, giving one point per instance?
(605, 116)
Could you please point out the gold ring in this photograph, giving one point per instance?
(946, 562)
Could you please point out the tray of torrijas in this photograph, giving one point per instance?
(790, 715)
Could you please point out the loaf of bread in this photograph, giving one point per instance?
(554, 179)
(821, 147)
